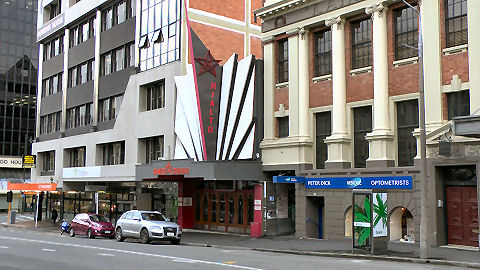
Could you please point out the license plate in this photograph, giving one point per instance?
(170, 234)
(108, 231)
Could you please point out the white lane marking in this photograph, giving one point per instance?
(47, 249)
(129, 252)
(360, 261)
(106, 254)
(3, 247)
(184, 261)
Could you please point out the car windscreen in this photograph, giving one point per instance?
(153, 217)
(98, 218)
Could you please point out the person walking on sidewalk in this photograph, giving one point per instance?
(54, 215)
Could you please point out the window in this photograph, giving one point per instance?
(81, 73)
(55, 9)
(406, 32)
(361, 44)
(362, 125)
(458, 104)
(80, 115)
(50, 122)
(117, 14)
(52, 85)
(283, 61)
(407, 121)
(323, 129)
(77, 157)
(323, 53)
(456, 22)
(159, 33)
(48, 161)
(153, 148)
(109, 108)
(282, 126)
(82, 32)
(53, 48)
(117, 59)
(113, 153)
(155, 95)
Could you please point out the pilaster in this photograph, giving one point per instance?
(96, 74)
(430, 13)
(339, 142)
(269, 87)
(381, 150)
(293, 83)
(39, 89)
(303, 85)
(66, 46)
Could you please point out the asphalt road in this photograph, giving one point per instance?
(27, 249)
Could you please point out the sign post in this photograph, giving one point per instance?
(96, 203)
(36, 211)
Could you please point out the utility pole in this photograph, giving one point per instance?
(424, 235)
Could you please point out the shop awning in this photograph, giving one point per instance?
(208, 170)
(32, 186)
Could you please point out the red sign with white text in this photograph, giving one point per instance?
(169, 170)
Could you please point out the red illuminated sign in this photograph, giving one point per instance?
(213, 87)
(169, 170)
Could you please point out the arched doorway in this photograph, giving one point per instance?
(348, 222)
(401, 225)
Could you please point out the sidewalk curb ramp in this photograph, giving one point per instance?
(349, 255)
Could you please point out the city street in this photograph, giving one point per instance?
(18, 217)
(29, 249)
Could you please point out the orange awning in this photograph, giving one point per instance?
(32, 187)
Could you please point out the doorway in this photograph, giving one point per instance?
(315, 217)
(462, 215)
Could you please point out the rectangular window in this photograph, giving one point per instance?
(155, 95)
(406, 32)
(83, 77)
(77, 157)
(120, 12)
(407, 121)
(456, 22)
(120, 58)
(107, 19)
(72, 77)
(103, 110)
(323, 53)
(282, 61)
(106, 64)
(323, 129)
(153, 148)
(48, 161)
(361, 43)
(458, 104)
(113, 153)
(362, 125)
(282, 126)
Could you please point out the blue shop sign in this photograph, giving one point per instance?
(289, 179)
(377, 182)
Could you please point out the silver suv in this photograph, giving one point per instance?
(148, 226)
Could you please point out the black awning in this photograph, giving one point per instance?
(468, 126)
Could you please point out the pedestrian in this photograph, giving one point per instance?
(54, 215)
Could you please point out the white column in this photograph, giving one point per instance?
(96, 74)
(430, 12)
(338, 142)
(381, 138)
(293, 117)
(474, 53)
(39, 88)
(268, 90)
(66, 43)
(303, 85)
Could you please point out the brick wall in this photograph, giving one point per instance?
(320, 92)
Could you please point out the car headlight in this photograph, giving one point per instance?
(179, 230)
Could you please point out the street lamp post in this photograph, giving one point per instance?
(424, 238)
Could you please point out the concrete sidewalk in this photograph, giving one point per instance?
(403, 252)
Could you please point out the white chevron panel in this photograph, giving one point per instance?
(182, 131)
(246, 116)
(240, 80)
(224, 96)
(179, 150)
(188, 97)
(247, 150)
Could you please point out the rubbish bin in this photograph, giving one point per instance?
(13, 215)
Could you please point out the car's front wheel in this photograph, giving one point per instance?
(72, 233)
(144, 237)
(119, 235)
(90, 234)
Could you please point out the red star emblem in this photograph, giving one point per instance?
(207, 63)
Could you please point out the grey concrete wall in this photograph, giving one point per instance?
(52, 66)
(78, 130)
(51, 104)
(114, 83)
(117, 36)
(80, 94)
(81, 53)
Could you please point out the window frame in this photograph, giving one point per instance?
(407, 122)
(401, 15)
(365, 45)
(320, 67)
(360, 144)
(282, 60)
(451, 19)
(323, 129)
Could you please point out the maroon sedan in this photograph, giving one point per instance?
(92, 225)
